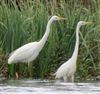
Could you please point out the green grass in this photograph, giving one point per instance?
(18, 27)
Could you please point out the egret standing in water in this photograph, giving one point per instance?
(30, 51)
(68, 69)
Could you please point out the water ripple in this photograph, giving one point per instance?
(47, 87)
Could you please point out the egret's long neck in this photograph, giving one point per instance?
(45, 36)
(75, 53)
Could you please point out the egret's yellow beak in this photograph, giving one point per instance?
(61, 18)
(89, 22)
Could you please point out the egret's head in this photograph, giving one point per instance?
(80, 23)
(55, 18)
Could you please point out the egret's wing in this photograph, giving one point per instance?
(63, 69)
(24, 52)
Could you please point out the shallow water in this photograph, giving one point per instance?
(47, 87)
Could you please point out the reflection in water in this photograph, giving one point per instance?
(47, 87)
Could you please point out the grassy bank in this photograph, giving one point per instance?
(26, 22)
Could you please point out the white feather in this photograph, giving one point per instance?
(30, 51)
(68, 69)
(24, 53)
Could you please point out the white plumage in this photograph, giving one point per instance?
(30, 51)
(24, 53)
(68, 69)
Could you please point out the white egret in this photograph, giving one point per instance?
(30, 51)
(68, 69)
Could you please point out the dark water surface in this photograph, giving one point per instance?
(47, 87)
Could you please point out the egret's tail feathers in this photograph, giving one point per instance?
(10, 61)
(53, 74)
